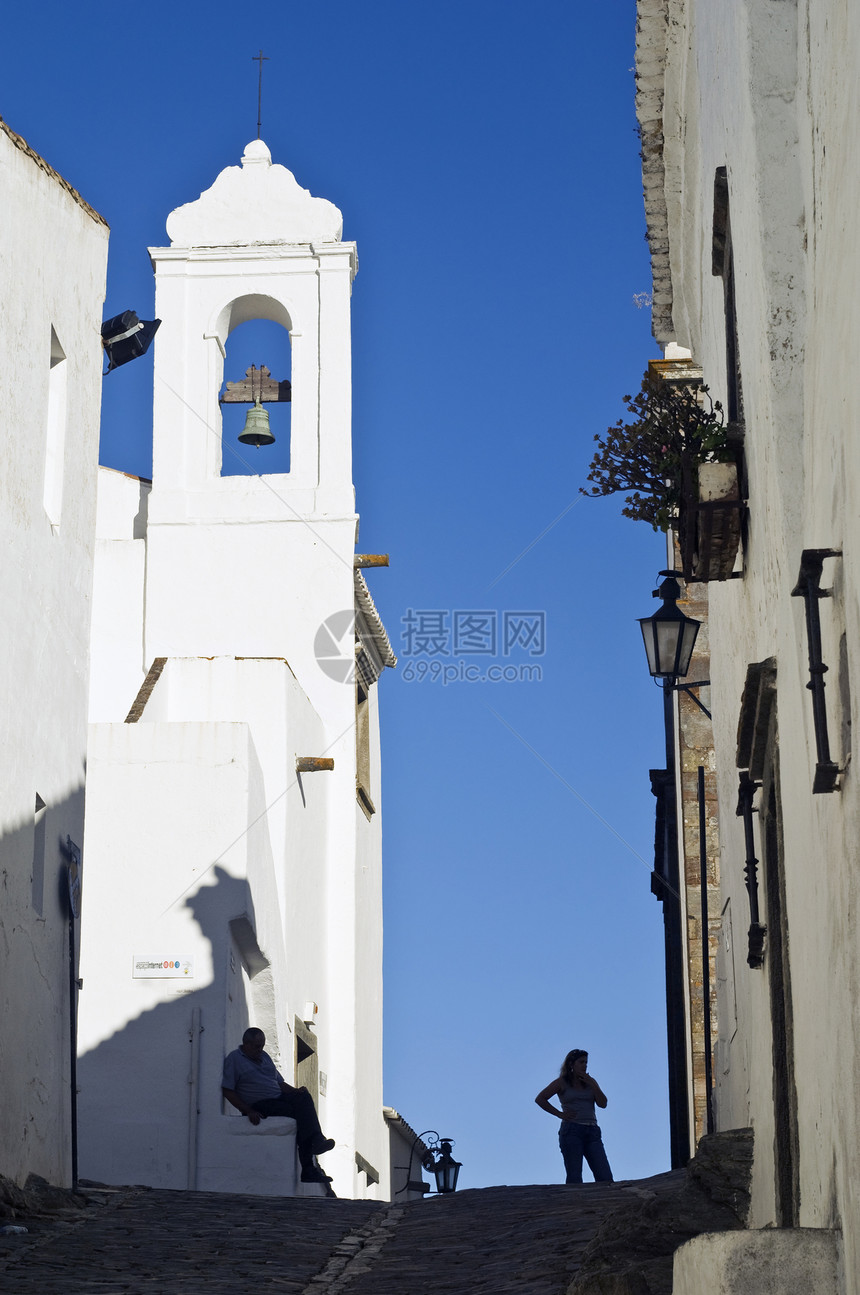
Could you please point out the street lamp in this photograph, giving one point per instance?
(446, 1169)
(669, 635)
(669, 638)
(437, 1160)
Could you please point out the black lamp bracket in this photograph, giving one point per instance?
(428, 1161)
(808, 588)
(685, 687)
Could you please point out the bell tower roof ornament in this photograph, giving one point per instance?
(257, 202)
(256, 154)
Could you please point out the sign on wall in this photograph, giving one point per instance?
(145, 967)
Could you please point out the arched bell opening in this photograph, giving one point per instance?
(255, 400)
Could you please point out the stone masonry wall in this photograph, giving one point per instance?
(695, 748)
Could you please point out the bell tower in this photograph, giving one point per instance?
(234, 563)
(250, 756)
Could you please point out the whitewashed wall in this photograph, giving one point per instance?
(167, 885)
(118, 590)
(53, 253)
(771, 92)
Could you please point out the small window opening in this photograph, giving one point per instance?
(723, 267)
(307, 1062)
(39, 829)
(251, 346)
(362, 749)
(55, 439)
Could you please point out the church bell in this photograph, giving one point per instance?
(256, 430)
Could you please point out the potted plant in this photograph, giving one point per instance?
(679, 460)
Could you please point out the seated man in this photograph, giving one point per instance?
(252, 1084)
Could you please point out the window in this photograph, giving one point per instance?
(39, 830)
(362, 748)
(758, 751)
(723, 265)
(55, 440)
(307, 1063)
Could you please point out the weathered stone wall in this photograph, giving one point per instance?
(695, 749)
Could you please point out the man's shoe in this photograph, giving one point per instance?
(319, 1145)
(314, 1175)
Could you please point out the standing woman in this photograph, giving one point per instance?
(579, 1134)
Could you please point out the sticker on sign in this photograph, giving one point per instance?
(150, 967)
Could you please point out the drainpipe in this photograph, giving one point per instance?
(706, 954)
(675, 971)
(73, 879)
(193, 1096)
(73, 1049)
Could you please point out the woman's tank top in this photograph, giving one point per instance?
(578, 1102)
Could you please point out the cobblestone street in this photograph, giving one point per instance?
(516, 1240)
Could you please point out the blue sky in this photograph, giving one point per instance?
(485, 158)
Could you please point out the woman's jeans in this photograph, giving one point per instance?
(578, 1140)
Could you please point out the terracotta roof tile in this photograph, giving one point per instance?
(21, 143)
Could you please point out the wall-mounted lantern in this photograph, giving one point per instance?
(437, 1160)
(669, 637)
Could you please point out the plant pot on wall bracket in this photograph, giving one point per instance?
(710, 522)
(683, 466)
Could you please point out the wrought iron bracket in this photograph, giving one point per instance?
(685, 687)
(747, 788)
(808, 588)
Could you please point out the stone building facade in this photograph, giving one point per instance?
(750, 166)
(686, 848)
(695, 748)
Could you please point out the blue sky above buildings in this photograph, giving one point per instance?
(485, 158)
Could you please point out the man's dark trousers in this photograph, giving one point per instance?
(299, 1106)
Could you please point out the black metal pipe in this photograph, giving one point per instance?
(747, 788)
(679, 1108)
(73, 1049)
(706, 954)
(817, 671)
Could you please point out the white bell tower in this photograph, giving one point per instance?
(234, 817)
(234, 563)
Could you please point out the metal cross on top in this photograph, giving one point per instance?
(260, 58)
